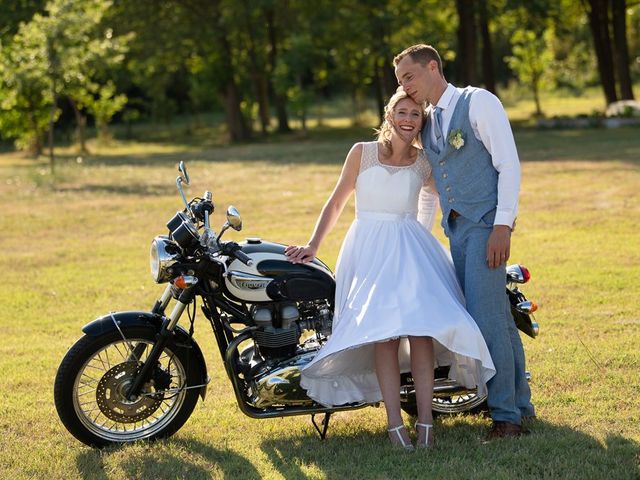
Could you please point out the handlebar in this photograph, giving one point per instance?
(233, 250)
(243, 257)
(201, 208)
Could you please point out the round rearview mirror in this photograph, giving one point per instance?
(182, 168)
(233, 218)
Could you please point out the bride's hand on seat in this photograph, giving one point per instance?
(296, 254)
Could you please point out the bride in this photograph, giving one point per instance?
(398, 304)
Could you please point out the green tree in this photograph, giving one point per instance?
(81, 51)
(574, 65)
(531, 61)
(104, 104)
(60, 53)
(25, 89)
(14, 12)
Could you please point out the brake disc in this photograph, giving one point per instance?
(112, 400)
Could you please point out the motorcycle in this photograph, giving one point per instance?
(138, 374)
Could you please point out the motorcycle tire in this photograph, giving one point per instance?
(469, 403)
(93, 375)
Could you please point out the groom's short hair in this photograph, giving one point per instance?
(421, 54)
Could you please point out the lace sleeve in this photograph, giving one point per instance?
(428, 200)
(369, 156)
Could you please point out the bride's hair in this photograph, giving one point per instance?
(383, 134)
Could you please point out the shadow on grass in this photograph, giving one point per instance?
(622, 144)
(320, 151)
(331, 146)
(140, 189)
(163, 460)
(550, 451)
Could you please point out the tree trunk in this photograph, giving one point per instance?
(621, 49)
(598, 13)
(262, 92)
(259, 80)
(535, 87)
(36, 146)
(81, 126)
(228, 91)
(487, 49)
(384, 74)
(389, 80)
(303, 107)
(466, 61)
(280, 99)
(104, 134)
(52, 117)
(239, 128)
(377, 85)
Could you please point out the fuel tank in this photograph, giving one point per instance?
(272, 277)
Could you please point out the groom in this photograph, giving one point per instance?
(468, 140)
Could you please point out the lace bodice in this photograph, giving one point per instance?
(389, 189)
(371, 157)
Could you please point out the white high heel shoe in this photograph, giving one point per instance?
(405, 445)
(426, 443)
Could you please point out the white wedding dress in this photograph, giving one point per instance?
(394, 279)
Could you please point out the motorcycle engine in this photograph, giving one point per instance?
(271, 365)
(281, 324)
(277, 333)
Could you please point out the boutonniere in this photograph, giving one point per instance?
(456, 140)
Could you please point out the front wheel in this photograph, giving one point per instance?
(95, 374)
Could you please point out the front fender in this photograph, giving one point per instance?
(105, 324)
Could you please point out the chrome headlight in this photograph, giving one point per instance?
(164, 253)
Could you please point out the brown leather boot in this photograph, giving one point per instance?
(503, 430)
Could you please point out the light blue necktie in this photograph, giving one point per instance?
(437, 129)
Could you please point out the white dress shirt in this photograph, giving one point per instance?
(490, 126)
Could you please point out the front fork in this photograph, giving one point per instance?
(168, 325)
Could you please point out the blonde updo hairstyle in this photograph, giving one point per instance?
(386, 128)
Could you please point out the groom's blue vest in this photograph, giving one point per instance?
(465, 178)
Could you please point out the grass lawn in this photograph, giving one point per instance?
(76, 246)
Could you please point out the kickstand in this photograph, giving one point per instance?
(325, 424)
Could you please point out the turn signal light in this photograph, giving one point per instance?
(185, 281)
(527, 307)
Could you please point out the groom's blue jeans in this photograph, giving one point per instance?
(509, 396)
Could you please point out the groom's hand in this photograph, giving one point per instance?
(499, 246)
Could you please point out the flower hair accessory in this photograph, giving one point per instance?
(456, 140)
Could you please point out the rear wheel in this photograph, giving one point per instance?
(93, 378)
(451, 404)
(449, 398)
(468, 401)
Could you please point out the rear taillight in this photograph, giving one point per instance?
(518, 274)
(525, 273)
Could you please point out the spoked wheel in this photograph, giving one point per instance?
(468, 401)
(449, 397)
(94, 376)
